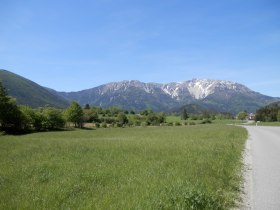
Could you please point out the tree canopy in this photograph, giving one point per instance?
(10, 115)
(74, 114)
(269, 113)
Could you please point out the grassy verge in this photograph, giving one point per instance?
(268, 123)
(194, 167)
(177, 119)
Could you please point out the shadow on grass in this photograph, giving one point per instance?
(88, 128)
(25, 132)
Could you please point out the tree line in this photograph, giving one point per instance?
(117, 117)
(18, 119)
(269, 113)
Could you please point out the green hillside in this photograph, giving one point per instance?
(29, 93)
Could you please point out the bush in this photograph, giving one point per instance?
(103, 125)
(52, 119)
(28, 118)
(194, 117)
(206, 121)
(144, 124)
(137, 122)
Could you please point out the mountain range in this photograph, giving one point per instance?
(196, 94)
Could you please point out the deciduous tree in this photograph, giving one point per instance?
(242, 115)
(74, 114)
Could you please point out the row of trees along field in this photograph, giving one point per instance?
(269, 113)
(17, 119)
(117, 117)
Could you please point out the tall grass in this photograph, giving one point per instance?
(268, 123)
(134, 168)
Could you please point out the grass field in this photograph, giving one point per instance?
(174, 119)
(268, 123)
(193, 167)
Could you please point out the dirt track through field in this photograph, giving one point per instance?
(263, 177)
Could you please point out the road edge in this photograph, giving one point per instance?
(246, 197)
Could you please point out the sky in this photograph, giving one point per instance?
(72, 45)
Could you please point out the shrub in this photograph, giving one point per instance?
(206, 121)
(52, 119)
(104, 125)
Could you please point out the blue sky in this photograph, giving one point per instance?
(74, 45)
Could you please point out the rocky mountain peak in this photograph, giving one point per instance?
(201, 88)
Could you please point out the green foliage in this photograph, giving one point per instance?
(185, 115)
(104, 125)
(177, 124)
(194, 167)
(278, 115)
(115, 110)
(52, 119)
(43, 119)
(268, 114)
(39, 120)
(3, 95)
(206, 121)
(90, 115)
(16, 119)
(146, 112)
(122, 119)
(223, 116)
(206, 115)
(74, 114)
(10, 115)
(132, 112)
(29, 117)
(153, 118)
(242, 115)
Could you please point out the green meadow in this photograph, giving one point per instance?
(184, 167)
(268, 123)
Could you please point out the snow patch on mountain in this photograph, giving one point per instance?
(201, 88)
(172, 89)
(197, 88)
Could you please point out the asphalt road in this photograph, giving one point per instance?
(263, 177)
